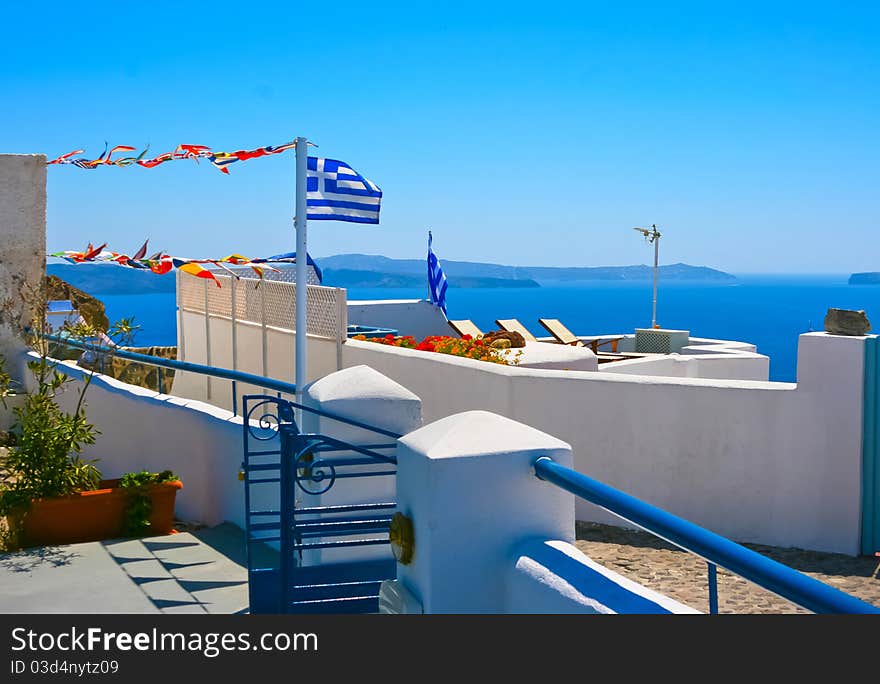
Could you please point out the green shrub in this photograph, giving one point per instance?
(139, 507)
(45, 459)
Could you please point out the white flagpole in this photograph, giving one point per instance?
(301, 267)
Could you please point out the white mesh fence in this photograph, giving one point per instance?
(271, 301)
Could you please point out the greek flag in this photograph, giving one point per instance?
(336, 192)
(436, 279)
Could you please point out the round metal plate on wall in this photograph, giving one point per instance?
(402, 537)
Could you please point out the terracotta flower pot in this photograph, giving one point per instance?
(92, 516)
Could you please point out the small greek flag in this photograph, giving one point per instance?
(336, 192)
(436, 279)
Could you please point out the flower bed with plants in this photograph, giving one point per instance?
(465, 346)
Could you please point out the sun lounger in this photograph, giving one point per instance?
(564, 336)
(466, 327)
(513, 325)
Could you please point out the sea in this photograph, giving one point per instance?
(769, 311)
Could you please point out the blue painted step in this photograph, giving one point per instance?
(347, 606)
(340, 588)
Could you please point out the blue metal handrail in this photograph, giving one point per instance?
(788, 583)
(223, 373)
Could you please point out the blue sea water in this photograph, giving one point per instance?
(769, 311)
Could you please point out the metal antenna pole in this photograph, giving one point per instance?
(653, 235)
(656, 236)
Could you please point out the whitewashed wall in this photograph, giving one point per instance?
(277, 362)
(741, 365)
(773, 463)
(141, 429)
(415, 317)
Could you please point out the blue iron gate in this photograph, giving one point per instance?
(318, 512)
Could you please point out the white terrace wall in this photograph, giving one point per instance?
(741, 365)
(277, 363)
(701, 358)
(23, 240)
(772, 463)
(141, 429)
(415, 317)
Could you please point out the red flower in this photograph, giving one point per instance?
(389, 336)
(466, 337)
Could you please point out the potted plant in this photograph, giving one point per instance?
(136, 505)
(48, 493)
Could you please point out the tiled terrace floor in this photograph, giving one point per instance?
(191, 572)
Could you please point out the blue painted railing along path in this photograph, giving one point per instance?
(788, 583)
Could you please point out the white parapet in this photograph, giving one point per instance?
(23, 236)
(551, 576)
(467, 483)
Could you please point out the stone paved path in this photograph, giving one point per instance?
(656, 564)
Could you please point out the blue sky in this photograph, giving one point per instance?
(533, 134)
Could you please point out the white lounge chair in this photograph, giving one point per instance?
(466, 327)
(513, 325)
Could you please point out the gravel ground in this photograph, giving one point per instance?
(654, 563)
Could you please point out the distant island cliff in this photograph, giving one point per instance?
(475, 274)
(364, 270)
(868, 278)
(349, 277)
(98, 279)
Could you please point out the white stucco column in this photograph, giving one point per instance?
(23, 240)
(831, 363)
(467, 483)
(363, 394)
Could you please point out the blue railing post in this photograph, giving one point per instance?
(713, 588)
(289, 437)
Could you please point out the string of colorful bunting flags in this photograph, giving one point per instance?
(220, 160)
(161, 263)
